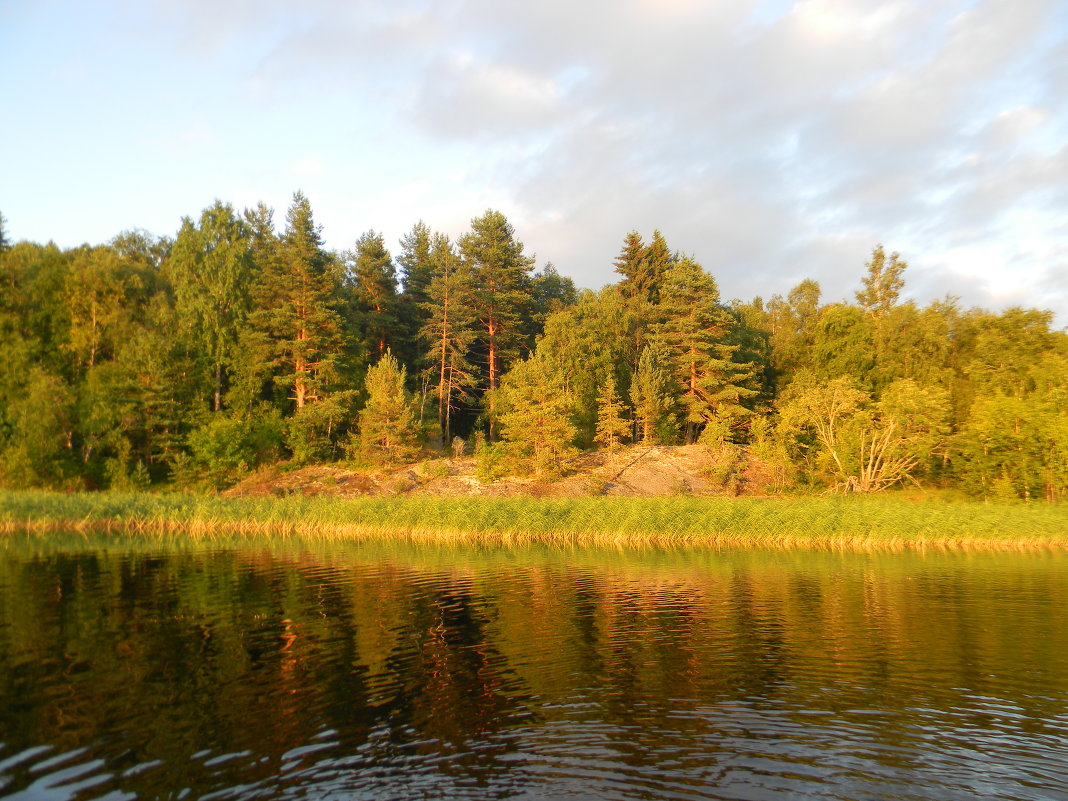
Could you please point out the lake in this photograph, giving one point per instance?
(154, 668)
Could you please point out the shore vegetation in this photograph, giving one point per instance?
(888, 522)
(189, 362)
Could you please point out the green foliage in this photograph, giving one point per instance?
(612, 427)
(373, 281)
(220, 452)
(501, 277)
(1016, 447)
(448, 330)
(211, 268)
(314, 432)
(589, 342)
(298, 325)
(843, 344)
(770, 447)
(693, 329)
(39, 454)
(727, 458)
(389, 429)
(550, 293)
(494, 461)
(882, 283)
(792, 329)
(144, 356)
(630, 263)
(536, 416)
(866, 447)
(417, 270)
(652, 397)
(125, 474)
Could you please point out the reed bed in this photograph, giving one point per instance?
(885, 523)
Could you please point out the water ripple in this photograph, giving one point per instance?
(380, 673)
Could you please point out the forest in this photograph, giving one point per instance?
(191, 361)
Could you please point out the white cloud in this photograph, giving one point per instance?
(774, 140)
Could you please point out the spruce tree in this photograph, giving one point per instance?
(651, 394)
(501, 274)
(5, 243)
(416, 265)
(630, 263)
(296, 299)
(373, 280)
(416, 273)
(656, 262)
(611, 426)
(643, 266)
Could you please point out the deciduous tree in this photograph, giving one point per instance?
(212, 269)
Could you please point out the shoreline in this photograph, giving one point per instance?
(823, 522)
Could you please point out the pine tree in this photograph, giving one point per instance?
(449, 329)
(388, 426)
(694, 327)
(296, 315)
(611, 426)
(502, 278)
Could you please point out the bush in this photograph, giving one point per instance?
(492, 462)
(315, 432)
(224, 449)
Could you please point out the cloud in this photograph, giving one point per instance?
(773, 140)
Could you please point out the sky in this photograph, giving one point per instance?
(774, 141)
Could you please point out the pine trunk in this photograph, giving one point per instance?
(492, 333)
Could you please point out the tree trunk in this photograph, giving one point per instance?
(218, 387)
(492, 333)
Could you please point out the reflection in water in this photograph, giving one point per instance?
(379, 670)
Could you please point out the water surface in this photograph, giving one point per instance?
(403, 670)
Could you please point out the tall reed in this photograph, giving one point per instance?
(829, 522)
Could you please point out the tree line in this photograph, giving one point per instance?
(233, 345)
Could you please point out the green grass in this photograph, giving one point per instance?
(831, 522)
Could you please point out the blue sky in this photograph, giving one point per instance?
(774, 141)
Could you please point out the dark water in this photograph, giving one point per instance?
(398, 671)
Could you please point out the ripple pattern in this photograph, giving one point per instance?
(375, 672)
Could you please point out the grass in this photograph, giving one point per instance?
(884, 523)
